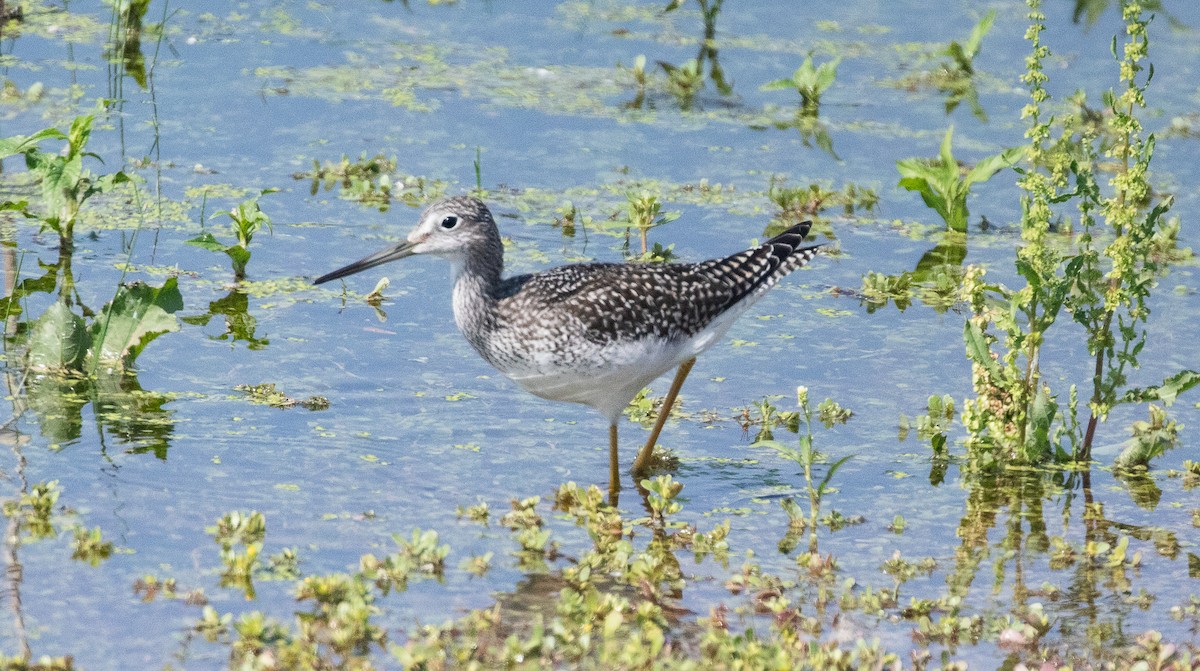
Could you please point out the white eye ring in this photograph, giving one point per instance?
(449, 223)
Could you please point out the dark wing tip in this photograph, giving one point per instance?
(794, 235)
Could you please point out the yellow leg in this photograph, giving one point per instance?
(614, 471)
(643, 457)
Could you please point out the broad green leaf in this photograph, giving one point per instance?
(138, 314)
(827, 73)
(19, 144)
(778, 85)
(81, 130)
(1166, 392)
(207, 241)
(240, 256)
(991, 165)
(1041, 418)
(58, 341)
(933, 198)
(978, 350)
(59, 178)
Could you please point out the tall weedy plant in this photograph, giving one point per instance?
(1102, 281)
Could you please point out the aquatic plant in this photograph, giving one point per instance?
(807, 457)
(644, 211)
(810, 81)
(248, 218)
(943, 185)
(61, 341)
(65, 184)
(1103, 288)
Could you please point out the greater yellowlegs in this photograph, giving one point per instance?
(590, 333)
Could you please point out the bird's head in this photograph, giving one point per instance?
(453, 228)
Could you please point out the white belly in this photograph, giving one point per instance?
(607, 377)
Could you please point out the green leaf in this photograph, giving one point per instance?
(58, 341)
(240, 256)
(944, 153)
(829, 474)
(138, 314)
(978, 350)
(1041, 417)
(1166, 392)
(778, 85)
(19, 144)
(827, 73)
(81, 130)
(991, 165)
(207, 241)
(59, 178)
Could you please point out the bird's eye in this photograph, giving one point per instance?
(450, 223)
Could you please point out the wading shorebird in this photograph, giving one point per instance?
(590, 333)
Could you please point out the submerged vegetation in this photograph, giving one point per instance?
(827, 552)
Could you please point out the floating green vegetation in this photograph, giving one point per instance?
(372, 182)
(416, 76)
(36, 515)
(617, 599)
(798, 203)
(267, 394)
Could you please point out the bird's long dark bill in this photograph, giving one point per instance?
(390, 254)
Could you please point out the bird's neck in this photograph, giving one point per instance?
(476, 280)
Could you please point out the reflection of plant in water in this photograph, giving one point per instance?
(956, 77)
(125, 38)
(944, 186)
(240, 325)
(78, 363)
(936, 280)
(81, 357)
(685, 81)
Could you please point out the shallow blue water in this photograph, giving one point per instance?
(393, 442)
